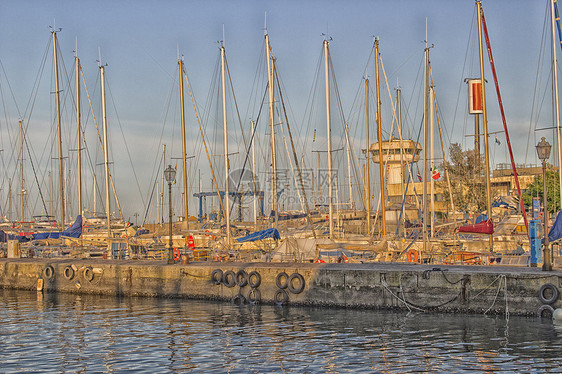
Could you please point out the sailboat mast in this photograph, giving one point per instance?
(163, 182)
(329, 132)
(57, 98)
(184, 156)
(254, 172)
(78, 136)
(425, 147)
(379, 135)
(367, 159)
(556, 98)
(272, 129)
(484, 120)
(226, 162)
(105, 152)
(22, 186)
(432, 163)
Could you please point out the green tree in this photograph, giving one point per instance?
(535, 189)
(467, 183)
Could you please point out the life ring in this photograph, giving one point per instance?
(544, 296)
(254, 297)
(238, 299)
(254, 279)
(217, 276)
(281, 297)
(281, 280)
(229, 279)
(545, 311)
(241, 278)
(541, 215)
(68, 272)
(89, 274)
(413, 256)
(299, 280)
(177, 254)
(190, 242)
(48, 272)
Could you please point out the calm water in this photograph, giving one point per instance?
(70, 333)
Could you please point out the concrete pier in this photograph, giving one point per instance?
(468, 289)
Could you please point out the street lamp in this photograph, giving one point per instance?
(543, 151)
(170, 175)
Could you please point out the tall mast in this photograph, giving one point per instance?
(485, 120)
(184, 156)
(272, 129)
(105, 152)
(57, 96)
(163, 182)
(556, 98)
(379, 135)
(402, 163)
(226, 162)
(254, 172)
(78, 136)
(329, 131)
(432, 162)
(22, 183)
(367, 159)
(425, 147)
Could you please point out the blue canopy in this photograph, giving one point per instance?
(259, 235)
(73, 231)
(555, 232)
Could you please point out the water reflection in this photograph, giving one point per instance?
(76, 333)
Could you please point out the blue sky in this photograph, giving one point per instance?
(139, 42)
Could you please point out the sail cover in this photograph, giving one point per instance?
(73, 231)
(259, 235)
(484, 227)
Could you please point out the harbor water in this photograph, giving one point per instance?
(89, 333)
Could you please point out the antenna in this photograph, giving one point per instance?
(223, 41)
(99, 54)
(265, 23)
(178, 50)
(425, 32)
(76, 46)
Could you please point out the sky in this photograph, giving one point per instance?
(139, 43)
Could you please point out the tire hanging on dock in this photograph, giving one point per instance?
(544, 292)
(254, 279)
(217, 276)
(68, 272)
(282, 280)
(49, 272)
(297, 279)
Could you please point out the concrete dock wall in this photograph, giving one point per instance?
(470, 289)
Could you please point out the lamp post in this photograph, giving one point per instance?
(170, 175)
(543, 151)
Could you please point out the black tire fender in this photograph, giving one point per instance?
(544, 298)
(229, 279)
(282, 280)
(281, 297)
(299, 280)
(254, 297)
(241, 278)
(89, 274)
(217, 276)
(254, 279)
(545, 311)
(49, 272)
(68, 272)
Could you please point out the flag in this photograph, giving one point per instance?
(419, 176)
(435, 173)
(498, 141)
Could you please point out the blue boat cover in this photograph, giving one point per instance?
(74, 231)
(259, 235)
(555, 232)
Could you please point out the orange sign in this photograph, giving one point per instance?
(475, 96)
